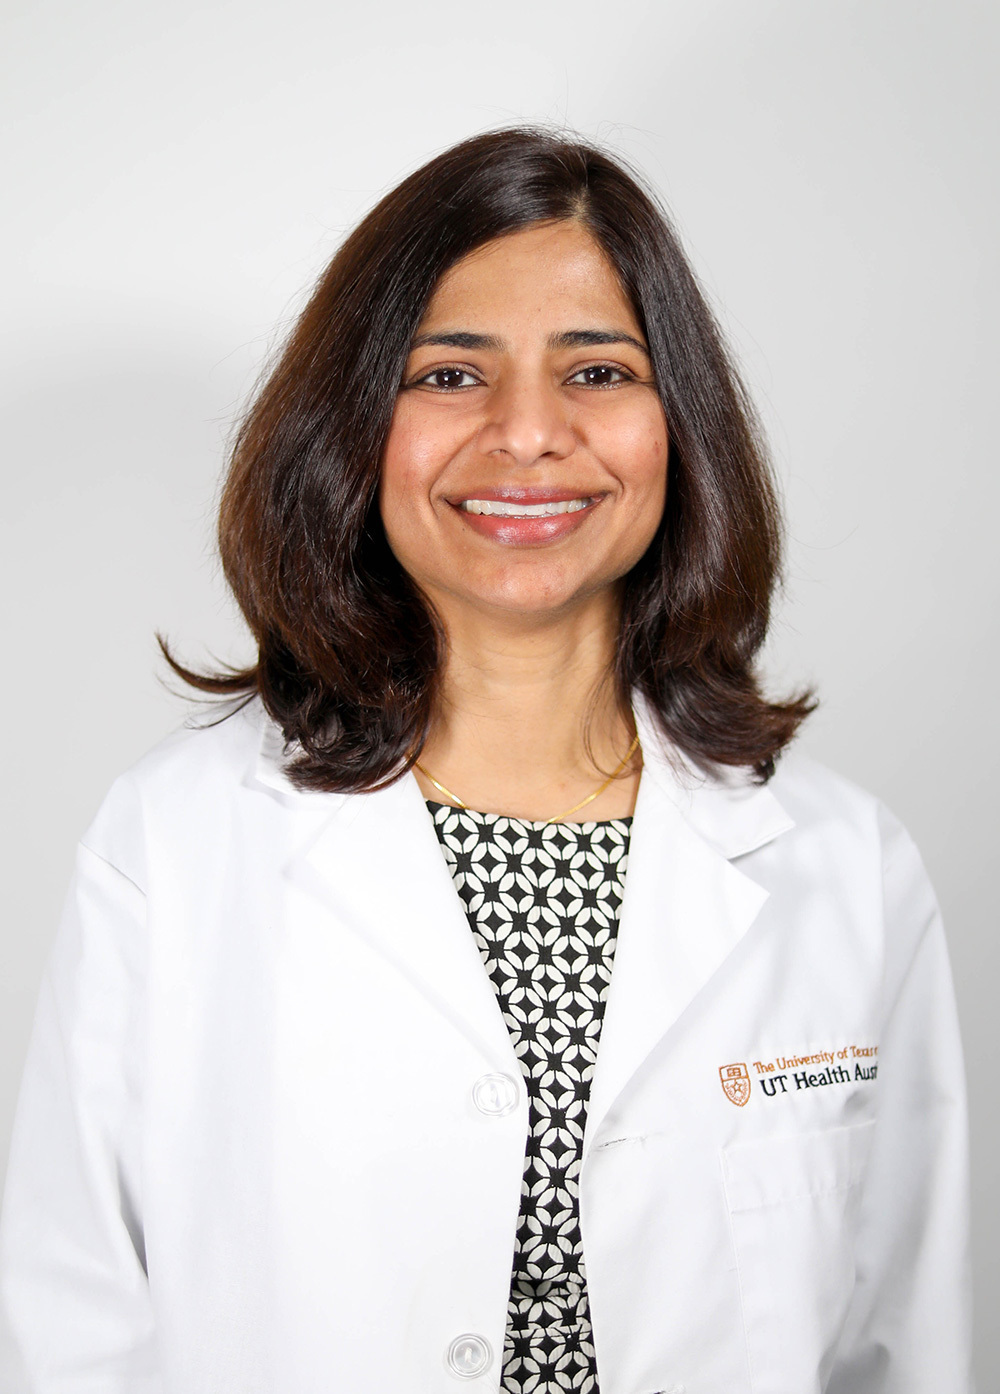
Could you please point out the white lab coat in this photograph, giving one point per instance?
(248, 1157)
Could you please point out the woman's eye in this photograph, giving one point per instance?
(600, 375)
(447, 379)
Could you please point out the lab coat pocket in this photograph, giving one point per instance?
(793, 1204)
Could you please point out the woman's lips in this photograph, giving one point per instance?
(527, 520)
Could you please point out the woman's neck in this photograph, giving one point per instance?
(528, 721)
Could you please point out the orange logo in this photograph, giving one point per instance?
(736, 1083)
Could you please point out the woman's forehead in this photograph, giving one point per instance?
(551, 272)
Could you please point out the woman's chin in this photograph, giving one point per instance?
(529, 598)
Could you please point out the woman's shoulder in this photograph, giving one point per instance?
(803, 801)
(815, 795)
(214, 746)
(826, 805)
(812, 791)
(181, 784)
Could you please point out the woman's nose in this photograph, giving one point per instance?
(529, 421)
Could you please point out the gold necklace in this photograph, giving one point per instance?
(559, 816)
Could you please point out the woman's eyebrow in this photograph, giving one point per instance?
(460, 339)
(588, 338)
(569, 338)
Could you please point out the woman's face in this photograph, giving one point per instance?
(526, 465)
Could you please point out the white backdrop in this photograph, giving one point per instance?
(176, 175)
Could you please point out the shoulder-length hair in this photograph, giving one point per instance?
(348, 651)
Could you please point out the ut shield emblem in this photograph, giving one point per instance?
(736, 1083)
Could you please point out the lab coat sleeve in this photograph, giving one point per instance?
(908, 1331)
(72, 1269)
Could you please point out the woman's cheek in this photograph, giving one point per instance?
(418, 450)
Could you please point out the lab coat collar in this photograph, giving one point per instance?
(733, 814)
(272, 754)
(729, 810)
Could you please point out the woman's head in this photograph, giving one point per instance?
(348, 648)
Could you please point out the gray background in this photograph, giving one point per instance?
(177, 174)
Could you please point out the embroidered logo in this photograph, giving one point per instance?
(736, 1083)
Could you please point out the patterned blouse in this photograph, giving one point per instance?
(543, 902)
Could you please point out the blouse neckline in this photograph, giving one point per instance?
(540, 824)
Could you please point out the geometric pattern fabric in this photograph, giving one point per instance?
(543, 904)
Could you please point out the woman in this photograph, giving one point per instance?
(479, 1001)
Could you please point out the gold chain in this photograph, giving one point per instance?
(559, 816)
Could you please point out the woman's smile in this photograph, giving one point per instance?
(526, 517)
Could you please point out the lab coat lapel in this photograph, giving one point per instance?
(377, 866)
(685, 907)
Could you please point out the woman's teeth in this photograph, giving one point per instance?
(501, 509)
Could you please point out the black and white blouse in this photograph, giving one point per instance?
(543, 903)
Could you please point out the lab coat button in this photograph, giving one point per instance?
(469, 1356)
(495, 1094)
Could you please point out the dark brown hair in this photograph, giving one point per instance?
(347, 649)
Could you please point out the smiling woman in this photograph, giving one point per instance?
(343, 1080)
